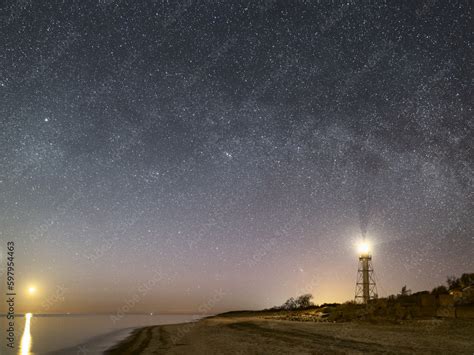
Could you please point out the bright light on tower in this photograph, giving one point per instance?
(363, 248)
(32, 290)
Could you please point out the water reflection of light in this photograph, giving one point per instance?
(25, 346)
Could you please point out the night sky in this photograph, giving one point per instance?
(172, 151)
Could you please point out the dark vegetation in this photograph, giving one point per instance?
(301, 302)
(442, 301)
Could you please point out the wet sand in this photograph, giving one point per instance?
(259, 335)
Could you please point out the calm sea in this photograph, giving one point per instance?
(76, 334)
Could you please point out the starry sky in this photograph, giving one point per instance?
(170, 151)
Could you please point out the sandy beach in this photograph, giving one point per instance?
(261, 335)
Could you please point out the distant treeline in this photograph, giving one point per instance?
(453, 284)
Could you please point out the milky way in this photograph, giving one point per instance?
(240, 147)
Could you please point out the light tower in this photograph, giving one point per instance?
(366, 289)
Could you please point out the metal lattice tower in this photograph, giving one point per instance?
(366, 289)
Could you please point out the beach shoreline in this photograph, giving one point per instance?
(98, 344)
(261, 335)
(101, 342)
